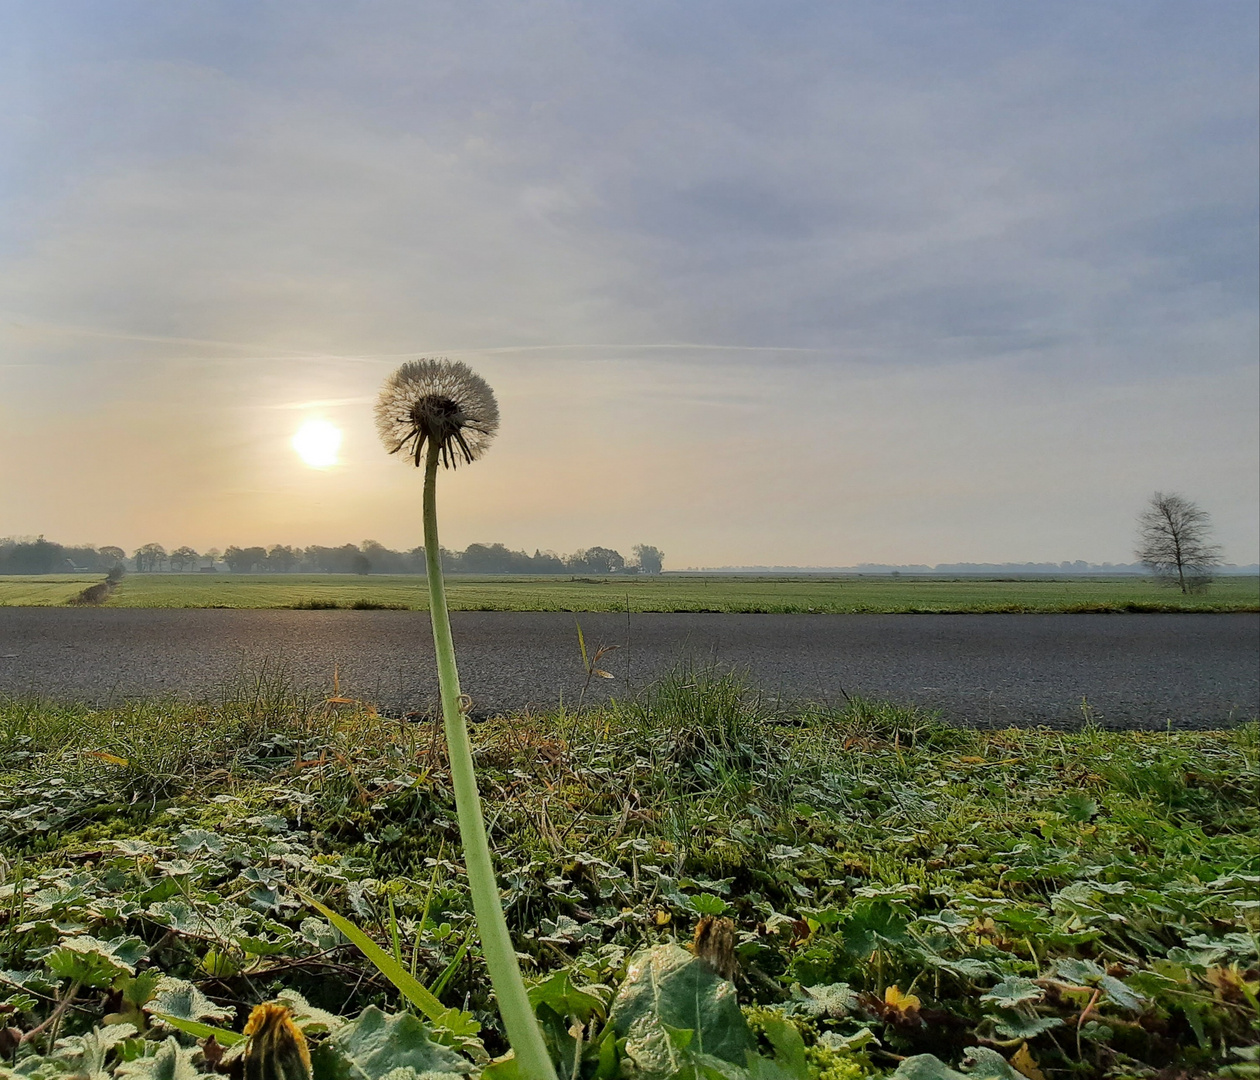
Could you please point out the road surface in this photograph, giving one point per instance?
(1190, 671)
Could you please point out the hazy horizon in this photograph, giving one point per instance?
(795, 285)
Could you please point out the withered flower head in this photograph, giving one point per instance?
(440, 401)
(277, 1048)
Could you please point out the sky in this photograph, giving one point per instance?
(801, 283)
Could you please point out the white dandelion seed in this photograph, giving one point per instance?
(439, 401)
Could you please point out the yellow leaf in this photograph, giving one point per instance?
(1023, 1061)
(113, 759)
(602, 673)
(662, 917)
(973, 760)
(895, 999)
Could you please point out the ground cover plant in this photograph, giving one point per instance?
(904, 898)
(645, 593)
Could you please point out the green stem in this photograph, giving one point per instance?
(496, 944)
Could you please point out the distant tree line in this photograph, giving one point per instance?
(42, 556)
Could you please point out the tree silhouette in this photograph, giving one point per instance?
(597, 560)
(650, 559)
(1174, 542)
(183, 557)
(150, 557)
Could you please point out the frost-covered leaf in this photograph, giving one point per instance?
(947, 919)
(309, 1019)
(1013, 1025)
(320, 934)
(565, 929)
(88, 1052)
(979, 1063)
(1013, 991)
(860, 1039)
(1124, 996)
(178, 915)
(376, 1044)
(92, 962)
(183, 1000)
(667, 990)
(1078, 972)
(965, 967)
(194, 840)
(131, 846)
(171, 1062)
(833, 1000)
(925, 1067)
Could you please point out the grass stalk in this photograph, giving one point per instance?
(533, 1061)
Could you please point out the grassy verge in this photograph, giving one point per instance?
(726, 593)
(1087, 903)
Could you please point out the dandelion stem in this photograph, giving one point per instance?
(532, 1059)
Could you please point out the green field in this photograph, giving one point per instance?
(1083, 904)
(723, 593)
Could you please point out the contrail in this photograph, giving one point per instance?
(259, 352)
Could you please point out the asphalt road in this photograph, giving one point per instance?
(1193, 671)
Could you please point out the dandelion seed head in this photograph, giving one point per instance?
(439, 401)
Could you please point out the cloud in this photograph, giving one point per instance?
(224, 205)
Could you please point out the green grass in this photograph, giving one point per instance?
(724, 593)
(1109, 879)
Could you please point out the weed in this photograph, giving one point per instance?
(1087, 899)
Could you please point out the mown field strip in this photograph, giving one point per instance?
(665, 593)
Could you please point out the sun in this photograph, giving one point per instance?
(317, 443)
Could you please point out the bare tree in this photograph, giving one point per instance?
(1174, 541)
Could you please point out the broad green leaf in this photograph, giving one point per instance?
(141, 988)
(789, 1047)
(220, 963)
(707, 904)
(1079, 807)
(376, 1044)
(666, 988)
(874, 926)
(566, 999)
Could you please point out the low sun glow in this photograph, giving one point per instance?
(317, 443)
